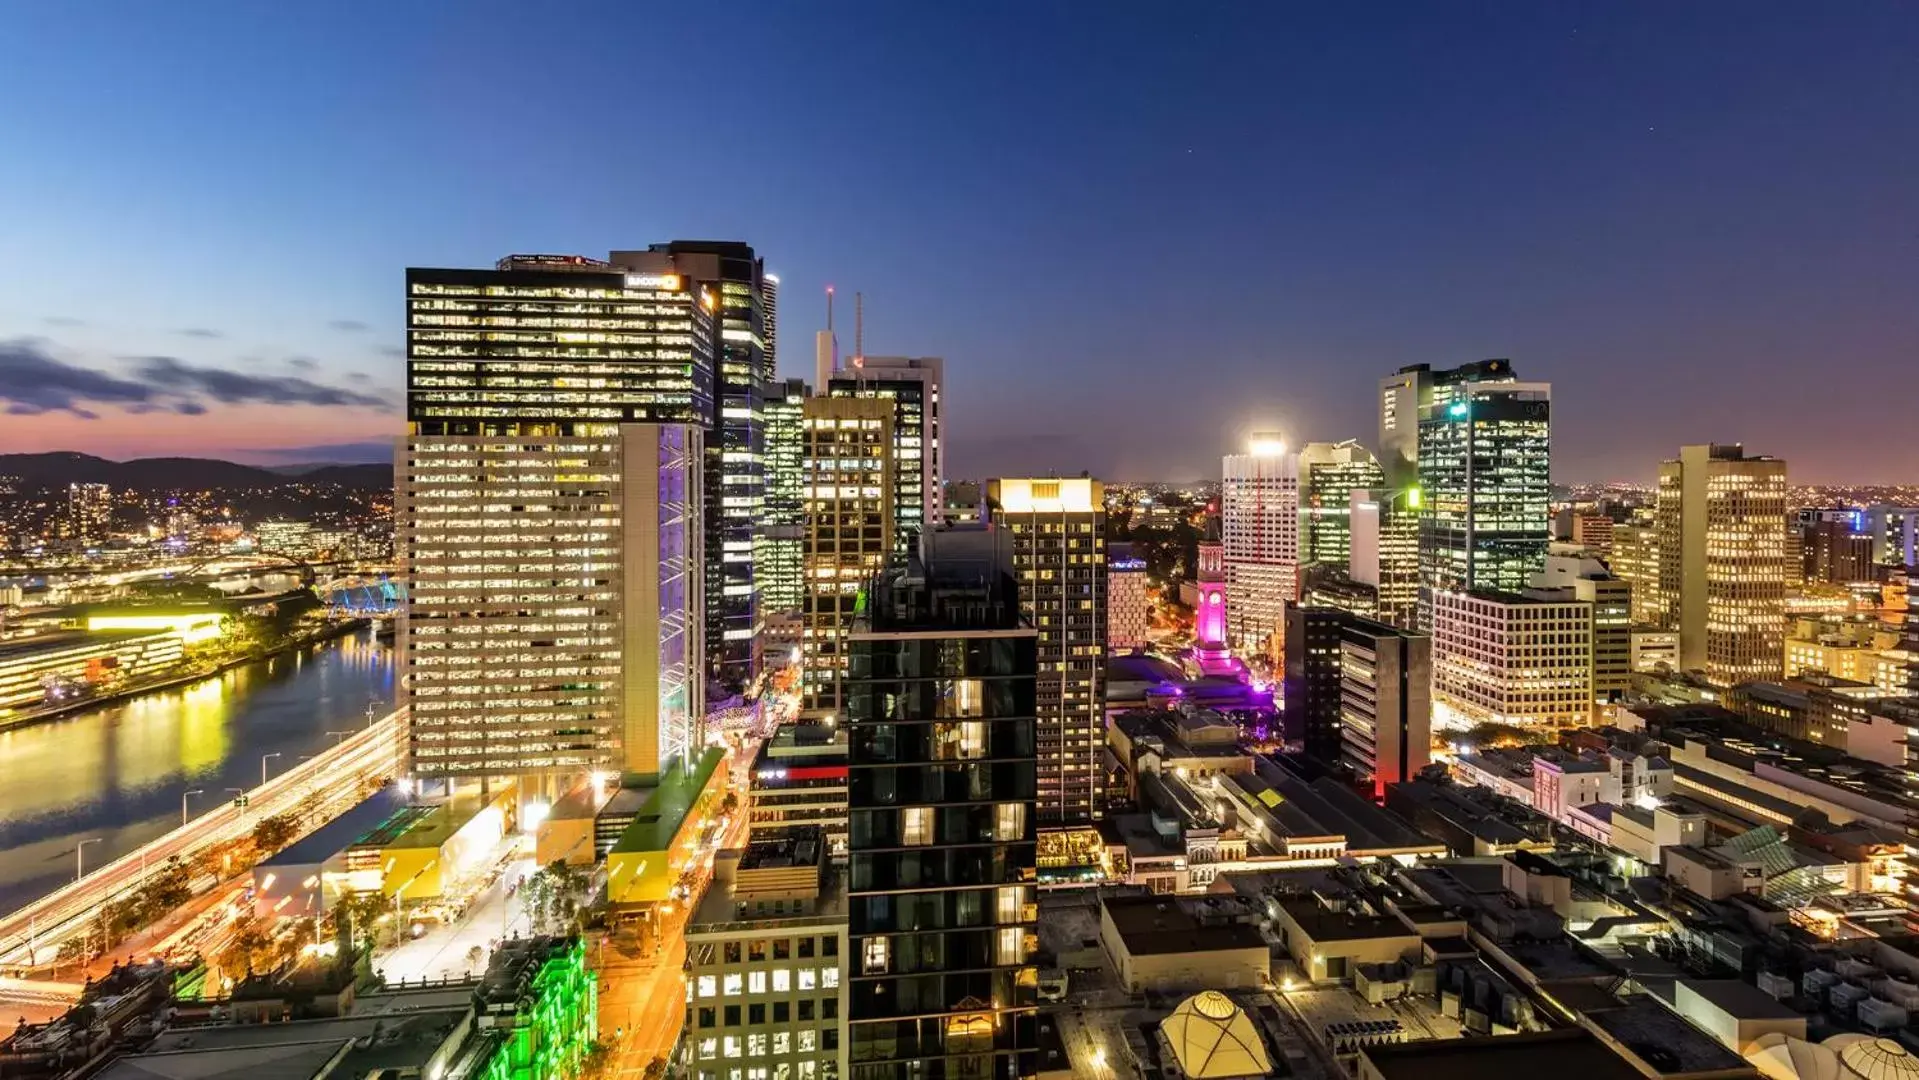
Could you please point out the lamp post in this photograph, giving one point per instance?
(339, 735)
(264, 758)
(371, 704)
(79, 857)
(184, 796)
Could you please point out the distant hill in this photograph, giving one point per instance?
(64, 467)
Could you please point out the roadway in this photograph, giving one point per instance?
(643, 978)
(338, 776)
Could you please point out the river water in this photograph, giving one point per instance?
(118, 772)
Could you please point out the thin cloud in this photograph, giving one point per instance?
(349, 326)
(63, 320)
(302, 363)
(199, 332)
(393, 351)
(236, 388)
(358, 376)
(33, 381)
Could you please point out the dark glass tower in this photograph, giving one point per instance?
(941, 788)
(735, 278)
(1485, 474)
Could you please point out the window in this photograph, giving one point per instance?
(756, 982)
(782, 1042)
(709, 986)
(829, 946)
(706, 1017)
(806, 979)
(830, 977)
(1011, 946)
(732, 952)
(782, 1012)
(709, 1048)
(756, 1045)
(733, 984)
(782, 980)
(806, 1008)
(782, 949)
(878, 956)
(756, 1014)
(806, 948)
(731, 1046)
(808, 1040)
(916, 826)
(1009, 821)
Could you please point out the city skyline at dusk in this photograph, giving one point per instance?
(1695, 225)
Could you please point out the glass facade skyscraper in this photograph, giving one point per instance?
(1485, 478)
(735, 277)
(1329, 473)
(779, 543)
(942, 903)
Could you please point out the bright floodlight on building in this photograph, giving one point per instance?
(1267, 444)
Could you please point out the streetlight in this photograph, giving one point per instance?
(371, 703)
(263, 765)
(79, 857)
(339, 735)
(184, 796)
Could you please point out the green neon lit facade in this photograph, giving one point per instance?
(549, 1040)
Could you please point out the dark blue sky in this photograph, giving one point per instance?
(1135, 231)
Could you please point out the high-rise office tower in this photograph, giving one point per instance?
(930, 373)
(770, 310)
(1895, 534)
(735, 478)
(89, 512)
(1385, 550)
(1634, 559)
(1513, 659)
(1129, 604)
(942, 832)
(848, 530)
(1259, 519)
(1609, 601)
(1722, 561)
(908, 398)
(1835, 547)
(1356, 692)
(1485, 479)
(1401, 397)
(779, 544)
(1329, 473)
(548, 510)
(1059, 554)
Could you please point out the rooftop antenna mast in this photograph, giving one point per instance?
(859, 336)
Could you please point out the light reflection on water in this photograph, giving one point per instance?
(118, 772)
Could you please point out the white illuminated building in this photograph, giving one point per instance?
(1259, 526)
(1511, 659)
(555, 601)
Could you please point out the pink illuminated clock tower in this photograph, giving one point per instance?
(1209, 622)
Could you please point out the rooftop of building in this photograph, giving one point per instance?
(514, 965)
(1740, 998)
(1325, 807)
(295, 1050)
(1484, 815)
(1566, 1052)
(343, 831)
(1323, 924)
(63, 639)
(667, 803)
(962, 591)
(1160, 925)
(1662, 1038)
